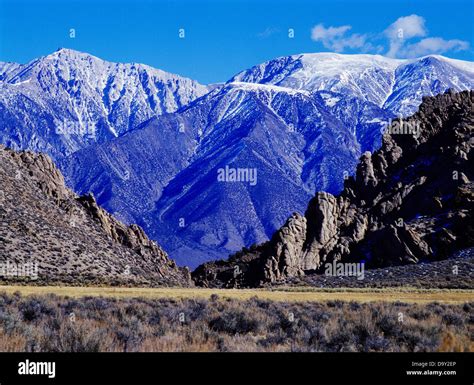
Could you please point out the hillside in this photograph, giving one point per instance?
(300, 122)
(149, 144)
(409, 202)
(57, 237)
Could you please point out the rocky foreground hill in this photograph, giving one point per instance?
(48, 234)
(409, 202)
(149, 144)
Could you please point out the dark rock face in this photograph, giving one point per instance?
(71, 238)
(410, 201)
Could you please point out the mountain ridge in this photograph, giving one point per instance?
(298, 71)
(81, 99)
(160, 170)
(409, 201)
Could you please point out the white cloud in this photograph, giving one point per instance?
(404, 28)
(337, 39)
(409, 26)
(320, 33)
(433, 45)
(398, 37)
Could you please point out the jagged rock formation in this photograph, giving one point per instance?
(71, 238)
(301, 121)
(410, 201)
(123, 131)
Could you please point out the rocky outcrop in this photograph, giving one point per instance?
(410, 201)
(70, 238)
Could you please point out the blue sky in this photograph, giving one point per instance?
(224, 37)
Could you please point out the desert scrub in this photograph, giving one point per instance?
(62, 324)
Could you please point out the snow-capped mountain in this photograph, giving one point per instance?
(393, 84)
(67, 100)
(301, 122)
(427, 76)
(368, 77)
(164, 175)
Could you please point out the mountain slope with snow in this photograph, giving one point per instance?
(150, 145)
(394, 84)
(67, 100)
(296, 141)
(6, 68)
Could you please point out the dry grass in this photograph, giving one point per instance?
(455, 343)
(409, 295)
(53, 323)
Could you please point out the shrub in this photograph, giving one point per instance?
(32, 309)
(234, 322)
(50, 323)
(453, 319)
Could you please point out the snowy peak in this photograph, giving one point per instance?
(271, 72)
(226, 108)
(149, 144)
(65, 68)
(373, 78)
(463, 65)
(65, 58)
(364, 76)
(427, 76)
(83, 100)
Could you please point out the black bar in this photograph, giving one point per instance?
(239, 368)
